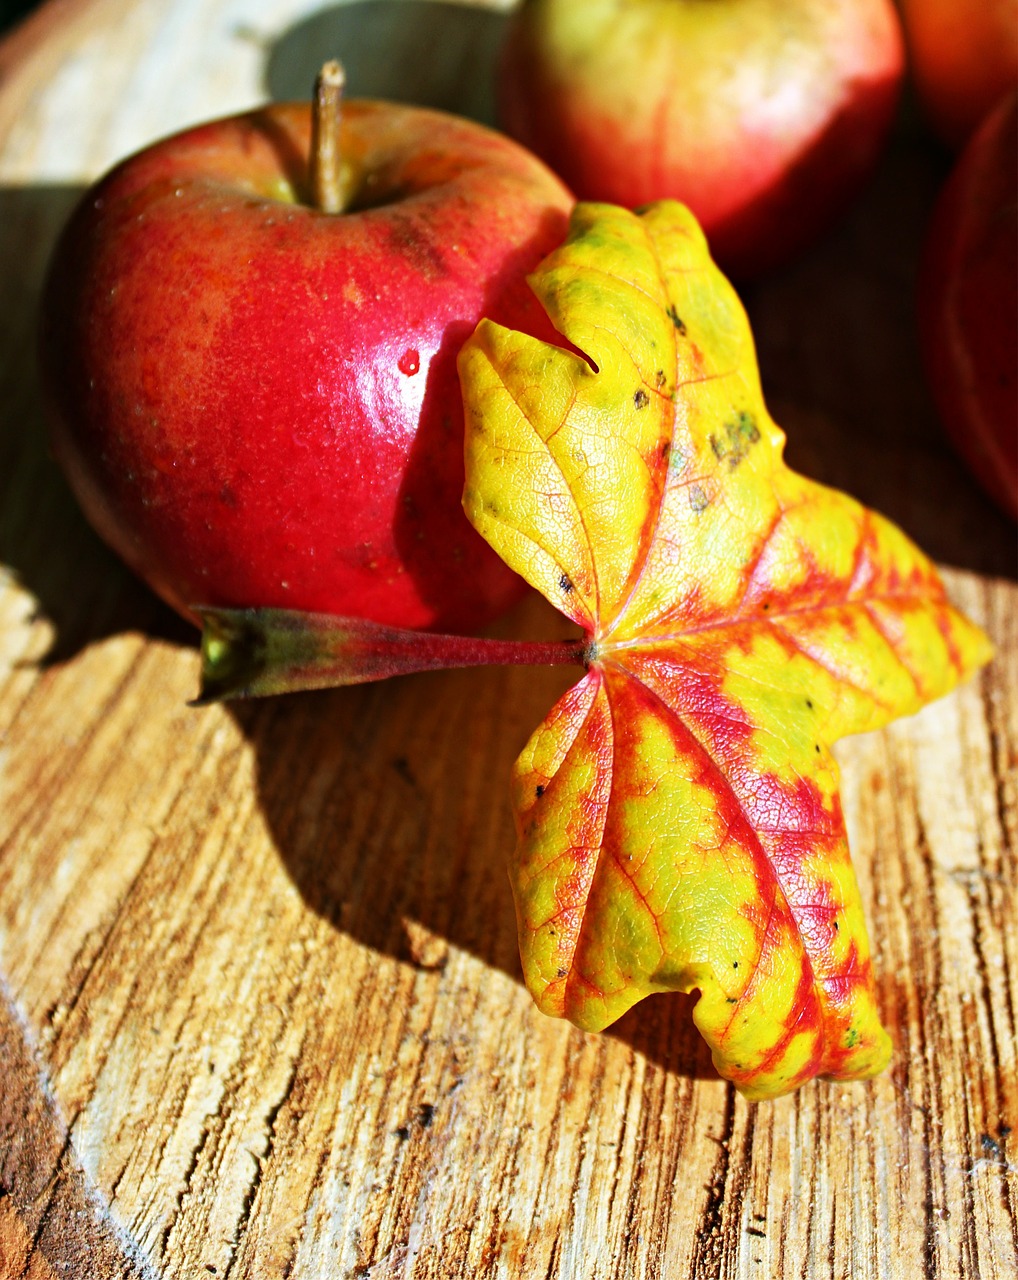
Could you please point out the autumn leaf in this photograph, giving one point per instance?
(678, 815)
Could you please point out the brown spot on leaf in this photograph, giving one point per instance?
(698, 500)
(741, 435)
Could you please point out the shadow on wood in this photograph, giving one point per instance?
(389, 806)
(81, 587)
(446, 52)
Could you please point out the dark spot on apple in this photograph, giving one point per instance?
(641, 399)
(411, 244)
(809, 703)
(660, 378)
(698, 500)
(562, 972)
(673, 316)
(539, 790)
(718, 446)
(565, 583)
(735, 964)
(666, 449)
(426, 1113)
(731, 1000)
(403, 1132)
(837, 927)
(227, 497)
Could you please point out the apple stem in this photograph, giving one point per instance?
(256, 652)
(326, 162)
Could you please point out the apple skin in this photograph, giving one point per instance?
(968, 304)
(764, 116)
(256, 403)
(963, 56)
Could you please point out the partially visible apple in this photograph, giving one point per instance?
(764, 116)
(256, 401)
(968, 304)
(963, 56)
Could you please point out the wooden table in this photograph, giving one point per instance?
(260, 1004)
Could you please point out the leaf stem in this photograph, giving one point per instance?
(326, 160)
(257, 652)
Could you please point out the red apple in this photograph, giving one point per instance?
(964, 58)
(256, 401)
(968, 304)
(764, 116)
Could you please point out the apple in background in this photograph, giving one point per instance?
(764, 116)
(968, 304)
(255, 398)
(963, 56)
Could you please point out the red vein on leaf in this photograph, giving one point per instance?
(568, 487)
(828, 667)
(654, 520)
(752, 570)
(577, 745)
(613, 854)
(574, 973)
(647, 638)
(861, 563)
(881, 631)
(816, 1060)
(670, 715)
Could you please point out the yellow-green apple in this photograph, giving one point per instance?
(968, 304)
(963, 56)
(764, 116)
(255, 398)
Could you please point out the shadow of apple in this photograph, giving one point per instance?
(389, 807)
(45, 543)
(427, 52)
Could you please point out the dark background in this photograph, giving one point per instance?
(12, 10)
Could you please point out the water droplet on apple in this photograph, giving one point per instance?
(409, 362)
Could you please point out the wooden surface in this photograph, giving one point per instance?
(260, 1004)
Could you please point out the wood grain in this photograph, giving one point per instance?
(260, 1004)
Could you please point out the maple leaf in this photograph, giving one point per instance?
(678, 816)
